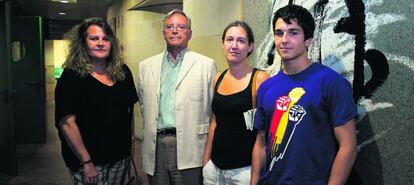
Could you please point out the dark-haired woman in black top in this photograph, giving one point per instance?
(227, 158)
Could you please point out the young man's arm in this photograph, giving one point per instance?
(345, 135)
(258, 157)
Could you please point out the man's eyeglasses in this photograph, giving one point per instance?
(178, 27)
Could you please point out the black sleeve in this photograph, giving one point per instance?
(67, 95)
(132, 92)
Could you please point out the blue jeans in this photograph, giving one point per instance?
(212, 175)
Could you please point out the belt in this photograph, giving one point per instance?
(167, 131)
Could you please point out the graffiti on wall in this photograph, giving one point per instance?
(342, 42)
(354, 24)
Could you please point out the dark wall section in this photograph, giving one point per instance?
(55, 29)
(8, 163)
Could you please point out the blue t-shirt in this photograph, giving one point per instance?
(298, 113)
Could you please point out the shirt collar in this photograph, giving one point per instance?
(178, 58)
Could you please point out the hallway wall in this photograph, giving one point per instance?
(49, 61)
(140, 35)
(208, 25)
(55, 56)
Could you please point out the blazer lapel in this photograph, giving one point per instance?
(186, 65)
(156, 71)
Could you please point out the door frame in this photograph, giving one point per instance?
(7, 56)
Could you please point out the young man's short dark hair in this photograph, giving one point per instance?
(299, 14)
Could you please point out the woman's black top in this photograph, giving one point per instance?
(233, 142)
(103, 115)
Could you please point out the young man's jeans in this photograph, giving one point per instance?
(212, 175)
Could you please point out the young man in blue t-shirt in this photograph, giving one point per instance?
(305, 114)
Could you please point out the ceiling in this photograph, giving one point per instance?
(74, 9)
(81, 9)
(159, 6)
(56, 24)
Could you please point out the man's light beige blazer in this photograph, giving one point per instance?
(194, 93)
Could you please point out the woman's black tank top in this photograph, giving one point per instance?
(232, 143)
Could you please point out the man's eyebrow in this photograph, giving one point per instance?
(278, 29)
(294, 29)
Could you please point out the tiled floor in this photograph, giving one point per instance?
(42, 164)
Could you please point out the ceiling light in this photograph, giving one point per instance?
(64, 1)
(62, 13)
